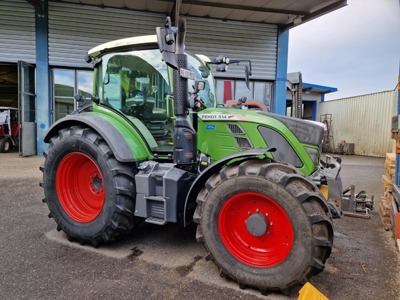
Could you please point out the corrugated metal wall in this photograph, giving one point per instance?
(17, 31)
(237, 40)
(363, 120)
(74, 29)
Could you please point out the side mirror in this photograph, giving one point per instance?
(199, 85)
(166, 43)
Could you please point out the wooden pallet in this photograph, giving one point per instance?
(391, 158)
(390, 166)
(385, 206)
(385, 209)
(387, 182)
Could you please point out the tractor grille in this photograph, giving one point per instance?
(243, 142)
(235, 129)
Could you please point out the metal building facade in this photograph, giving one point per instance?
(72, 32)
(257, 42)
(54, 35)
(363, 120)
(17, 31)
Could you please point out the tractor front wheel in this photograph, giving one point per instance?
(90, 194)
(264, 225)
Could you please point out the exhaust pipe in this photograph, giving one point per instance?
(185, 138)
(171, 41)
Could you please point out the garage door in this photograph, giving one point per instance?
(17, 31)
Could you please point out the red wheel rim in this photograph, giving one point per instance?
(273, 243)
(80, 187)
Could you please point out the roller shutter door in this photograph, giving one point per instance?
(74, 29)
(17, 31)
(237, 40)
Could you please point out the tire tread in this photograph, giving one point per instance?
(122, 219)
(305, 191)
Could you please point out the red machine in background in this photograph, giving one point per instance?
(252, 105)
(9, 128)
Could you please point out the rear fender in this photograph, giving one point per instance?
(198, 184)
(122, 150)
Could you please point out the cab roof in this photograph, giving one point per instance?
(145, 40)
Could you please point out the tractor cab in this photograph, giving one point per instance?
(132, 78)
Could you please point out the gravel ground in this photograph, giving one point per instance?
(37, 262)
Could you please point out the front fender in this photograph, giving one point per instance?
(198, 184)
(118, 144)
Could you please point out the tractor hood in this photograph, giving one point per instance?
(224, 131)
(307, 132)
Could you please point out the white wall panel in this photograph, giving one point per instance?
(363, 120)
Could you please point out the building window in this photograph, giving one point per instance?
(66, 84)
(232, 89)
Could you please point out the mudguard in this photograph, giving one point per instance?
(112, 136)
(198, 184)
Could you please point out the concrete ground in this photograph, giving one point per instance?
(37, 262)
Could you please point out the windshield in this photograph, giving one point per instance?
(202, 72)
(128, 78)
(138, 84)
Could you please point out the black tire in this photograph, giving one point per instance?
(5, 145)
(111, 188)
(227, 199)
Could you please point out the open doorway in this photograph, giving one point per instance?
(9, 85)
(9, 122)
(17, 92)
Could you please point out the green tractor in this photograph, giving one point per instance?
(153, 145)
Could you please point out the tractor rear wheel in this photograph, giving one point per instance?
(264, 225)
(90, 194)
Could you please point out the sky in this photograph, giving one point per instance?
(355, 49)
